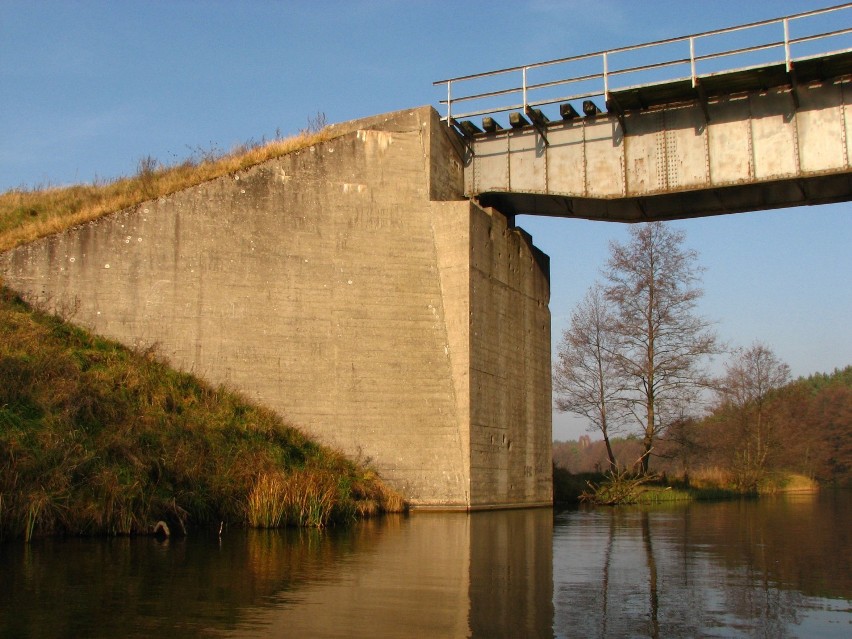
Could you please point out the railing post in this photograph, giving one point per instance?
(692, 61)
(787, 60)
(506, 75)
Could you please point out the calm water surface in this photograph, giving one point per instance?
(768, 568)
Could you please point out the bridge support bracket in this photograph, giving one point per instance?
(539, 121)
(702, 100)
(794, 85)
(613, 106)
(465, 133)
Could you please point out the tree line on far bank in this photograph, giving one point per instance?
(808, 431)
(634, 362)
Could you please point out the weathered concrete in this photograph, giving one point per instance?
(742, 151)
(352, 288)
(495, 304)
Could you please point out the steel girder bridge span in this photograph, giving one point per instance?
(756, 116)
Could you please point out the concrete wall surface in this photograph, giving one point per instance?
(348, 286)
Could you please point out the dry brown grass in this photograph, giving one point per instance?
(716, 478)
(374, 497)
(710, 477)
(313, 497)
(29, 214)
(794, 483)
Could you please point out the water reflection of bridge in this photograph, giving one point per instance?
(745, 118)
(772, 567)
(487, 575)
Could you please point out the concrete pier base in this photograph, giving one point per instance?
(351, 287)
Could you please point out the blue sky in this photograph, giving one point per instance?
(89, 88)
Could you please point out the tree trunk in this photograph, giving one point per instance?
(613, 466)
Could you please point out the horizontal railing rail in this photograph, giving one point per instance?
(603, 79)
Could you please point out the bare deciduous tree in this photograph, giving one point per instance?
(585, 379)
(662, 342)
(749, 379)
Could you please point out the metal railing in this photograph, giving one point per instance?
(599, 76)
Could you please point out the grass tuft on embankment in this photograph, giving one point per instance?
(27, 214)
(98, 439)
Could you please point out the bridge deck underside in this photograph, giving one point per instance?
(751, 148)
(680, 205)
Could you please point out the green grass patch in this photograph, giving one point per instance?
(96, 438)
(662, 494)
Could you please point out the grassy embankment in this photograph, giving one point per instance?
(603, 489)
(27, 214)
(98, 439)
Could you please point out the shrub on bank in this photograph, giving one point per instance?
(625, 487)
(98, 439)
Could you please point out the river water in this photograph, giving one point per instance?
(776, 567)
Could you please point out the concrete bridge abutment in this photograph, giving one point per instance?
(349, 286)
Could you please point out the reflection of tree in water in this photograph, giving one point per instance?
(687, 571)
(797, 541)
(653, 601)
(760, 606)
(605, 581)
(624, 587)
